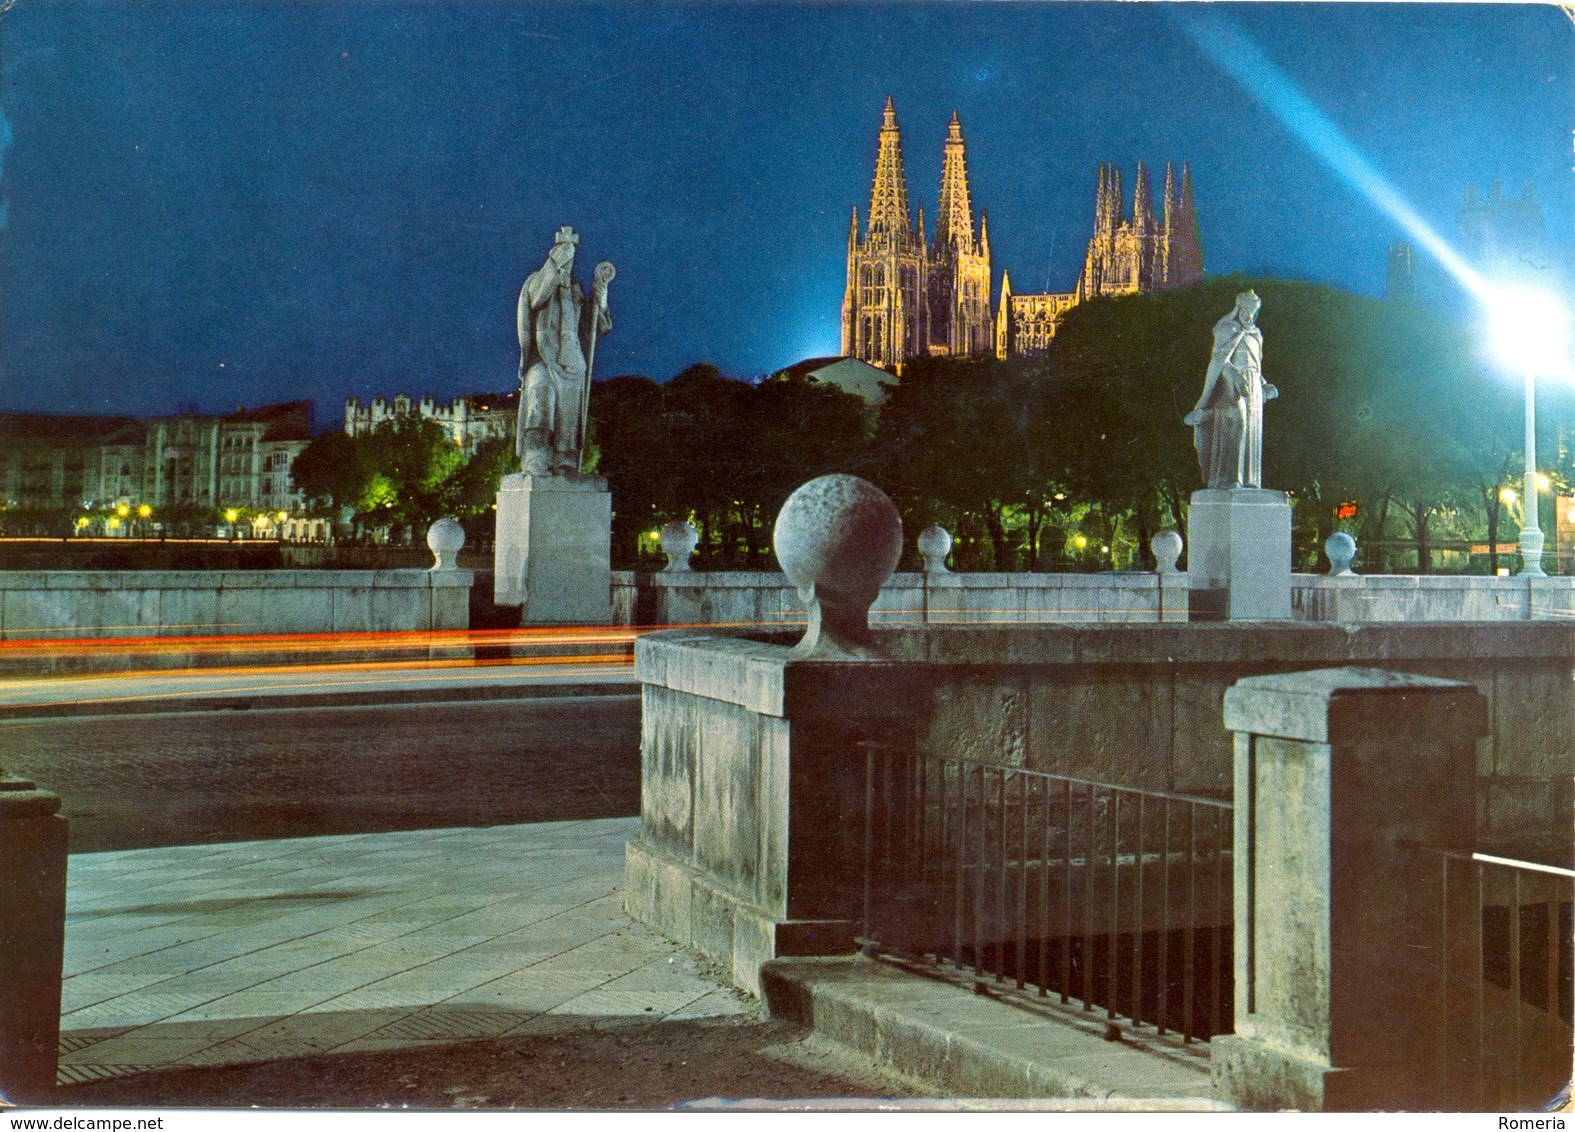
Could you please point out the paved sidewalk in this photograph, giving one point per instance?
(249, 951)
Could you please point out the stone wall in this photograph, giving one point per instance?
(767, 598)
(1429, 597)
(56, 604)
(763, 598)
(753, 779)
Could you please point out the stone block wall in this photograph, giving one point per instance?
(56, 604)
(753, 777)
(764, 598)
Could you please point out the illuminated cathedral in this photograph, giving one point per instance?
(909, 296)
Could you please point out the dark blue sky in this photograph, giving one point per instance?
(245, 202)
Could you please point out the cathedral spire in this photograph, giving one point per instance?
(1183, 249)
(1142, 200)
(889, 197)
(1113, 201)
(1170, 201)
(954, 218)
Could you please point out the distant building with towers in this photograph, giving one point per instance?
(1504, 238)
(908, 296)
(911, 296)
(468, 420)
(1127, 255)
(1136, 254)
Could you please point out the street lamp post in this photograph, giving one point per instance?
(1529, 329)
(1531, 527)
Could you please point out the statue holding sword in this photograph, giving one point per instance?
(558, 330)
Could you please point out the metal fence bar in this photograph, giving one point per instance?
(981, 865)
(1163, 1004)
(1137, 923)
(871, 758)
(998, 948)
(1514, 974)
(1481, 989)
(1044, 896)
(1189, 938)
(1022, 884)
(962, 865)
(1088, 905)
(1066, 900)
(1224, 835)
(1111, 977)
(951, 854)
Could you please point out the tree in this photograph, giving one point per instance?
(635, 453)
(970, 442)
(334, 471)
(721, 452)
(1379, 403)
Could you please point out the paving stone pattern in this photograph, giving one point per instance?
(249, 951)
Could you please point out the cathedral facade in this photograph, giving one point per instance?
(909, 296)
(1128, 254)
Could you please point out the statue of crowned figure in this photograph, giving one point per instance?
(558, 331)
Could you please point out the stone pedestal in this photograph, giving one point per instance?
(32, 939)
(1340, 775)
(1239, 555)
(551, 554)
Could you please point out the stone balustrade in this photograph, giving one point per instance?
(59, 604)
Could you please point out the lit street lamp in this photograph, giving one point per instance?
(1529, 332)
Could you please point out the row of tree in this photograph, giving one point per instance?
(1388, 424)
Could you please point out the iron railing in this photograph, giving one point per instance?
(1115, 897)
(1504, 978)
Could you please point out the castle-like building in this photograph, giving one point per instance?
(909, 296)
(469, 419)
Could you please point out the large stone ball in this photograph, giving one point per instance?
(838, 539)
(1341, 549)
(444, 539)
(679, 539)
(935, 543)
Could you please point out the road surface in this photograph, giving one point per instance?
(133, 781)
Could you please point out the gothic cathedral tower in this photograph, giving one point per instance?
(884, 311)
(1139, 255)
(961, 323)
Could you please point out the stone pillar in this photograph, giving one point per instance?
(1239, 555)
(1336, 922)
(552, 555)
(32, 938)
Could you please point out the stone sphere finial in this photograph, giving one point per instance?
(444, 538)
(838, 539)
(1341, 549)
(1166, 545)
(935, 543)
(679, 539)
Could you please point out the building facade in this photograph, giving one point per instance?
(1128, 254)
(468, 420)
(1505, 238)
(907, 296)
(96, 464)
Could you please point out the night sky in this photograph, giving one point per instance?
(236, 203)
